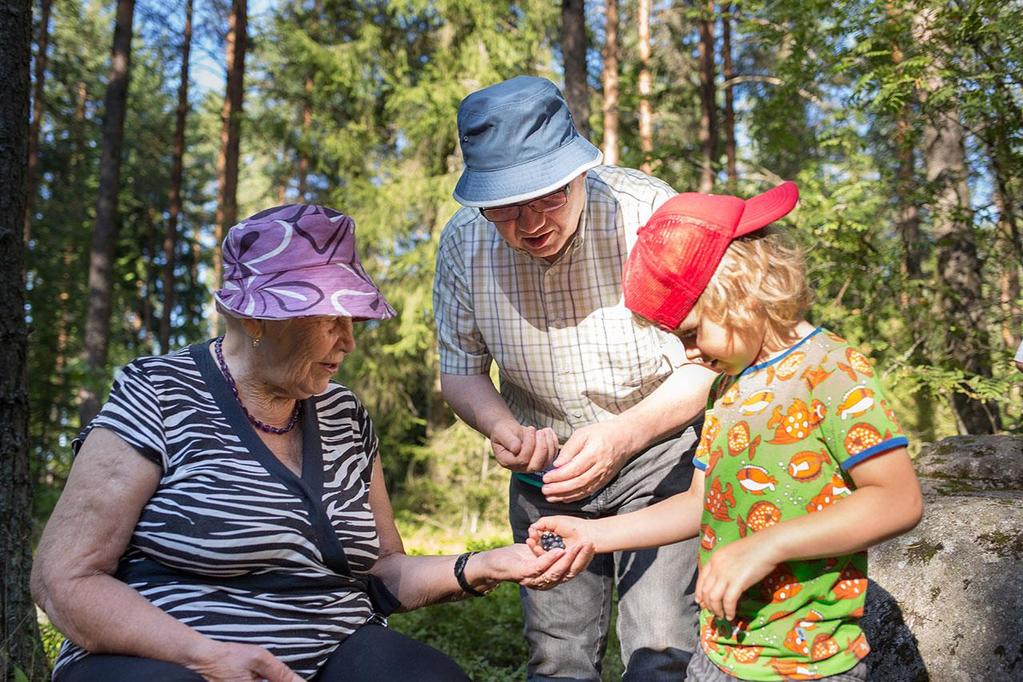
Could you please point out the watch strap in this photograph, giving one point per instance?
(460, 563)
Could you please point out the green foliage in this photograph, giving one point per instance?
(837, 96)
(52, 640)
(485, 635)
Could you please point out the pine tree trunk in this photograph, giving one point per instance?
(170, 237)
(573, 50)
(708, 101)
(19, 632)
(610, 83)
(104, 232)
(312, 21)
(38, 107)
(303, 151)
(646, 126)
(959, 269)
(908, 221)
(1008, 284)
(907, 225)
(728, 73)
(230, 133)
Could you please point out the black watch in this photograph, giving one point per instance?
(460, 563)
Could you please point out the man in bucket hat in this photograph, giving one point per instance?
(593, 408)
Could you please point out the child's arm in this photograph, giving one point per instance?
(886, 503)
(676, 518)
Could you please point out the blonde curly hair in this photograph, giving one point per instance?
(760, 281)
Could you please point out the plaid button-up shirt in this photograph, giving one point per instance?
(569, 352)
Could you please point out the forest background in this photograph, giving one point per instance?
(155, 125)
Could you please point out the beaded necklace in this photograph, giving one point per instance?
(218, 347)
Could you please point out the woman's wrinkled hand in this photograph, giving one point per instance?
(574, 532)
(231, 662)
(518, 563)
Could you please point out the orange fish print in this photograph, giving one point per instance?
(859, 647)
(793, 670)
(731, 395)
(709, 635)
(852, 583)
(746, 654)
(786, 369)
(797, 423)
(715, 457)
(711, 428)
(835, 490)
(856, 402)
(824, 646)
(780, 584)
(718, 501)
(862, 437)
(798, 638)
(815, 376)
(890, 414)
(757, 402)
(755, 480)
(762, 515)
(858, 365)
(738, 440)
(806, 465)
(708, 538)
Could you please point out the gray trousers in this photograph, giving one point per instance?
(566, 627)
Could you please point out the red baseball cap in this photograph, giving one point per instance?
(678, 250)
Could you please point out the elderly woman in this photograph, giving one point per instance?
(226, 516)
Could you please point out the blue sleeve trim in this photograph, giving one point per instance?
(890, 444)
(699, 465)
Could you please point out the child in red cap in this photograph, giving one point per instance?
(801, 464)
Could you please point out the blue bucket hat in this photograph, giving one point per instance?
(518, 142)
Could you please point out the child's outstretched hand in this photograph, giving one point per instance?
(572, 533)
(732, 570)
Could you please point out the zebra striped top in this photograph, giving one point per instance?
(232, 542)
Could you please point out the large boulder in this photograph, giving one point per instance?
(946, 600)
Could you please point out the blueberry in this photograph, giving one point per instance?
(549, 541)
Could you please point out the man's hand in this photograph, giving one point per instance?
(523, 448)
(591, 457)
(230, 662)
(732, 570)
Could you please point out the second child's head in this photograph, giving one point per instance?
(708, 268)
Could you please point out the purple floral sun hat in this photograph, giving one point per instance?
(297, 260)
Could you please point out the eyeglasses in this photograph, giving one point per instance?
(548, 202)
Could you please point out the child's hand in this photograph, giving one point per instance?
(574, 533)
(732, 570)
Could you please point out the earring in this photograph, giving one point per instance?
(256, 340)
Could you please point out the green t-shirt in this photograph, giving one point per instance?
(777, 443)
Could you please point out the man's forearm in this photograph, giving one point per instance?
(676, 403)
(475, 400)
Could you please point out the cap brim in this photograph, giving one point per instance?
(335, 290)
(765, 208)
(534, 178)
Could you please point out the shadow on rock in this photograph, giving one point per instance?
(895, 653)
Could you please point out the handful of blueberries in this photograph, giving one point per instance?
(550, 540)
